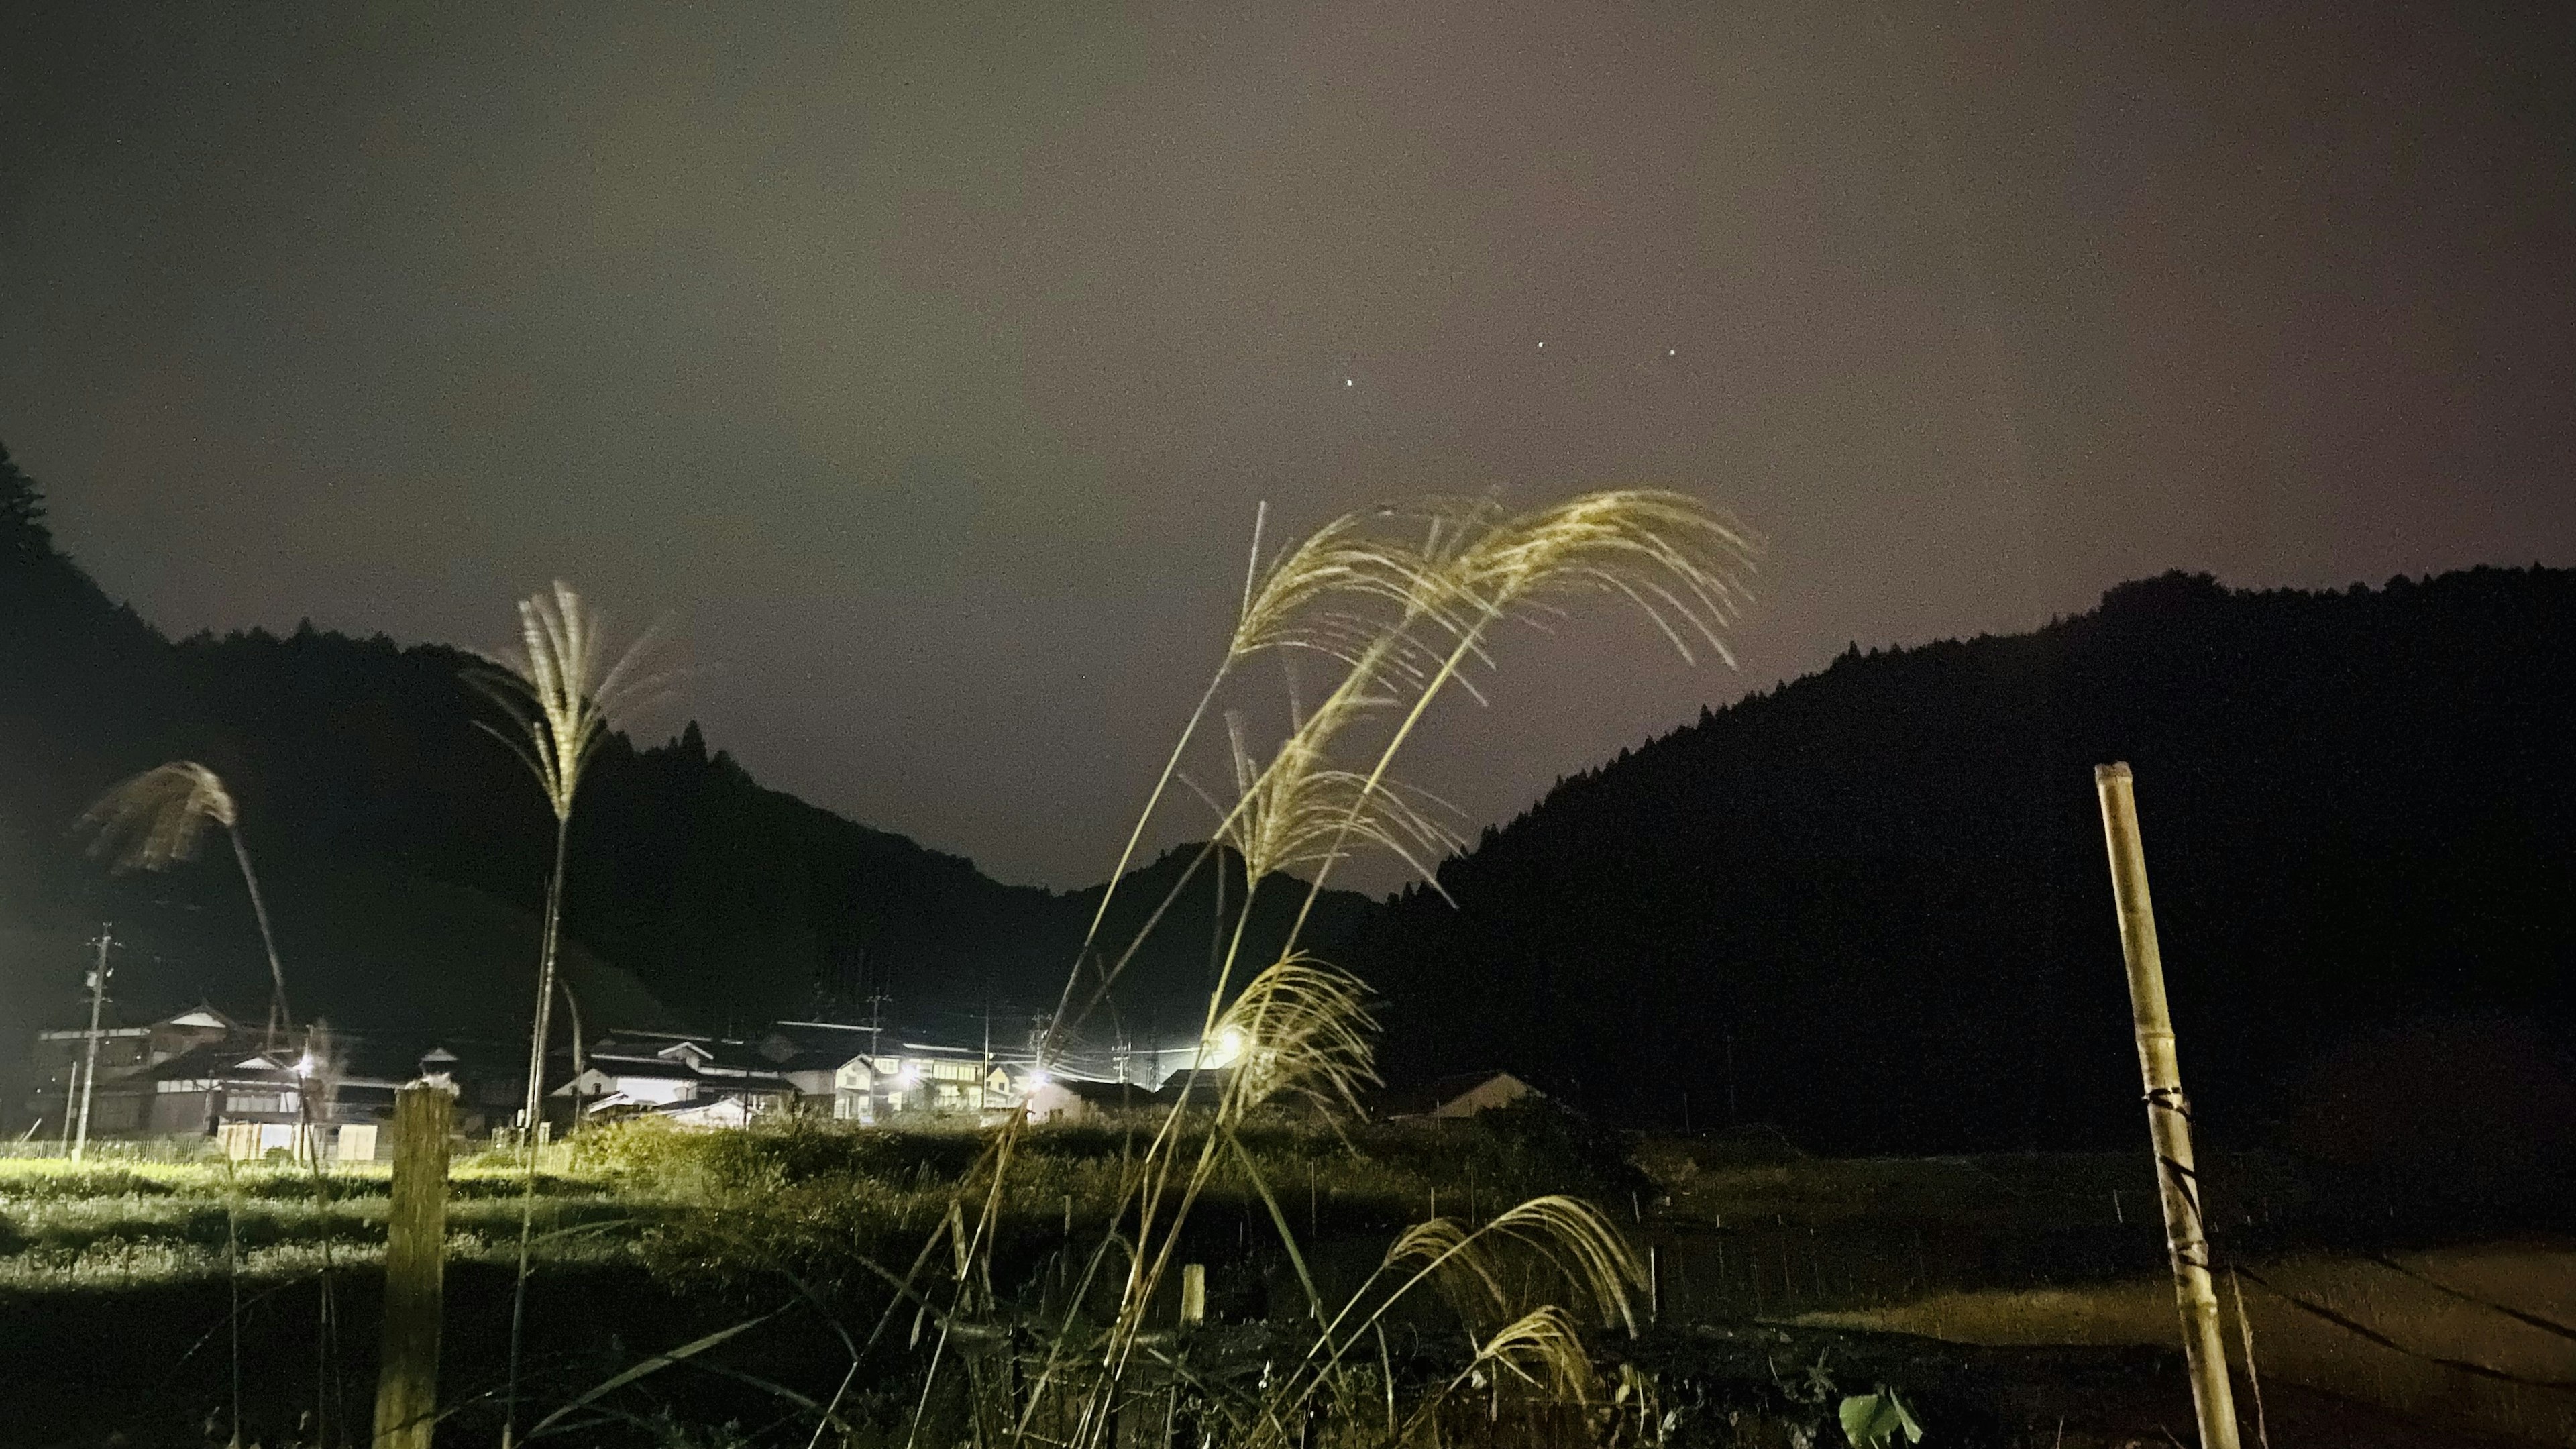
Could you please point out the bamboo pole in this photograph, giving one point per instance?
(2168, 1112)
(415, 1269)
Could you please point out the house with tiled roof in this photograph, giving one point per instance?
(633, 1072)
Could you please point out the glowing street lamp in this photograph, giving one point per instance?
(1222, 1050)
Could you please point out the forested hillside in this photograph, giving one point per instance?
(1871, 906)
(404, 849)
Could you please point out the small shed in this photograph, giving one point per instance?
(1064, 1101)
(1462, 1095)
(712, 1114)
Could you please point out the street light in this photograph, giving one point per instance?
(1222, 1050)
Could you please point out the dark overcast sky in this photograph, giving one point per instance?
(925, 362)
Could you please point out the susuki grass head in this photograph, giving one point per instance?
(1680, 562)
(157, 818)
(557, 692)
(1404, 602)
(1298, 811)
(1327, 594)
(1473, 1264)
(1410, 615)
(1300, 1028)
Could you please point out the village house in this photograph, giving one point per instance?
(1064, 1101)
(116, 1109)
(812, 1053)
(850, 1073)
(200, 1073)
(676, 1076)
(920, 1080)
(1462, 1095)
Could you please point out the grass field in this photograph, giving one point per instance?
(647, 1238)
(65, 1225)
(127, 1272)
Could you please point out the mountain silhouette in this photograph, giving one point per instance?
(404, 851)
(1872, 906)
(1868, 907)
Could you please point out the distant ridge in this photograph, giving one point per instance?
(407, 848)
(1879, 891)
(1867, 907)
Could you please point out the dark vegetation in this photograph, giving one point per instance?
(1871, 906)
(1868, 907)
(113, 1276)
(407, 852)
(651, 1237)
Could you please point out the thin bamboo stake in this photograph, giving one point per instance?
(415, 1269)
(2168, 1112)
(2253, 1375)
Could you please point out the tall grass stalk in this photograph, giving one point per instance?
(232, 1289)
(155, 819)
(1405, 603)
(314, 1072)
(1476, 566)
(149, 822)
(1283, 607)
(559, 688)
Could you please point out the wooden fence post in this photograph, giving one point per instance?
(2168, 1113)
(415, 1269)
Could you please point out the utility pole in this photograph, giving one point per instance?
(89, 1048)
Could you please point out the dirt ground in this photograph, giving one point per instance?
(2477, 1343)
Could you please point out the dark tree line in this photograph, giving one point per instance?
(1869, 906)
(1880, 891)
(409, 847)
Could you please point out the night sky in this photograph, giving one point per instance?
(925, 363)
